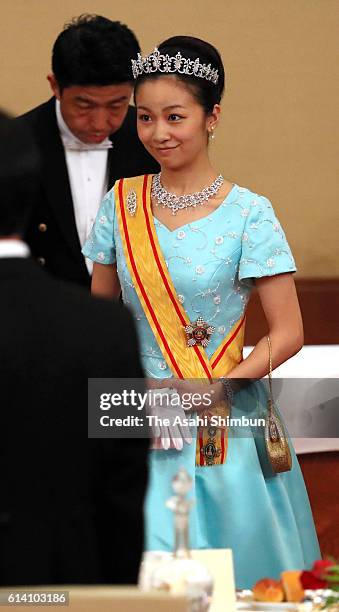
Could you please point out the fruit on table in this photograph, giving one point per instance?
(268, 589)
(292, 585)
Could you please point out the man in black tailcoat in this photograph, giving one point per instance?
(87, 137)
(70, 507)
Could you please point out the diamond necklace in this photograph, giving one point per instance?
(175, 203)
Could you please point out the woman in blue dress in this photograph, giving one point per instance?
(185, 249)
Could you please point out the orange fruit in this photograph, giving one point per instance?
(268, 589)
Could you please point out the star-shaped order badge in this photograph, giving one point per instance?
(199, 333)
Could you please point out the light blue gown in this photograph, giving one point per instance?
(265, 519)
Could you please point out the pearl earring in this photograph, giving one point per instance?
(211, 133)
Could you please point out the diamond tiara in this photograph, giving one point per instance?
(156, 62)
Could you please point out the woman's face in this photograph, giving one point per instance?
(172, 125)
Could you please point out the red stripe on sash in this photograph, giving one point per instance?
(141, 287)
(163, 276)
(201, 444)
(222, 459)
(217, 359)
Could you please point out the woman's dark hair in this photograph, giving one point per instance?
(93, 50)
(205, 92)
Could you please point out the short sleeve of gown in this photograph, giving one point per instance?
(100, 245)
(265, 250)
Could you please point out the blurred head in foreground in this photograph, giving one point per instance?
(19, 165)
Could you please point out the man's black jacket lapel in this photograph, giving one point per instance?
(55, 180)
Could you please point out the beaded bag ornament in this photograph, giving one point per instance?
(157, 62)
(278, 450)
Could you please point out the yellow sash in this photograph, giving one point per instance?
(165, 313)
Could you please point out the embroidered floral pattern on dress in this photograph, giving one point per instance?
(266, 242)
(90, 242)
(202, 235)
(103, 219)
(151, 351)
(209, 263)
(200, 269)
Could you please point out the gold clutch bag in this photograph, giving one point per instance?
(277, 447)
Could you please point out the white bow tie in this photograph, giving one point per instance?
(77, 145)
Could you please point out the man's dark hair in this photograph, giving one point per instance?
(93, 50)
(19, 167)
